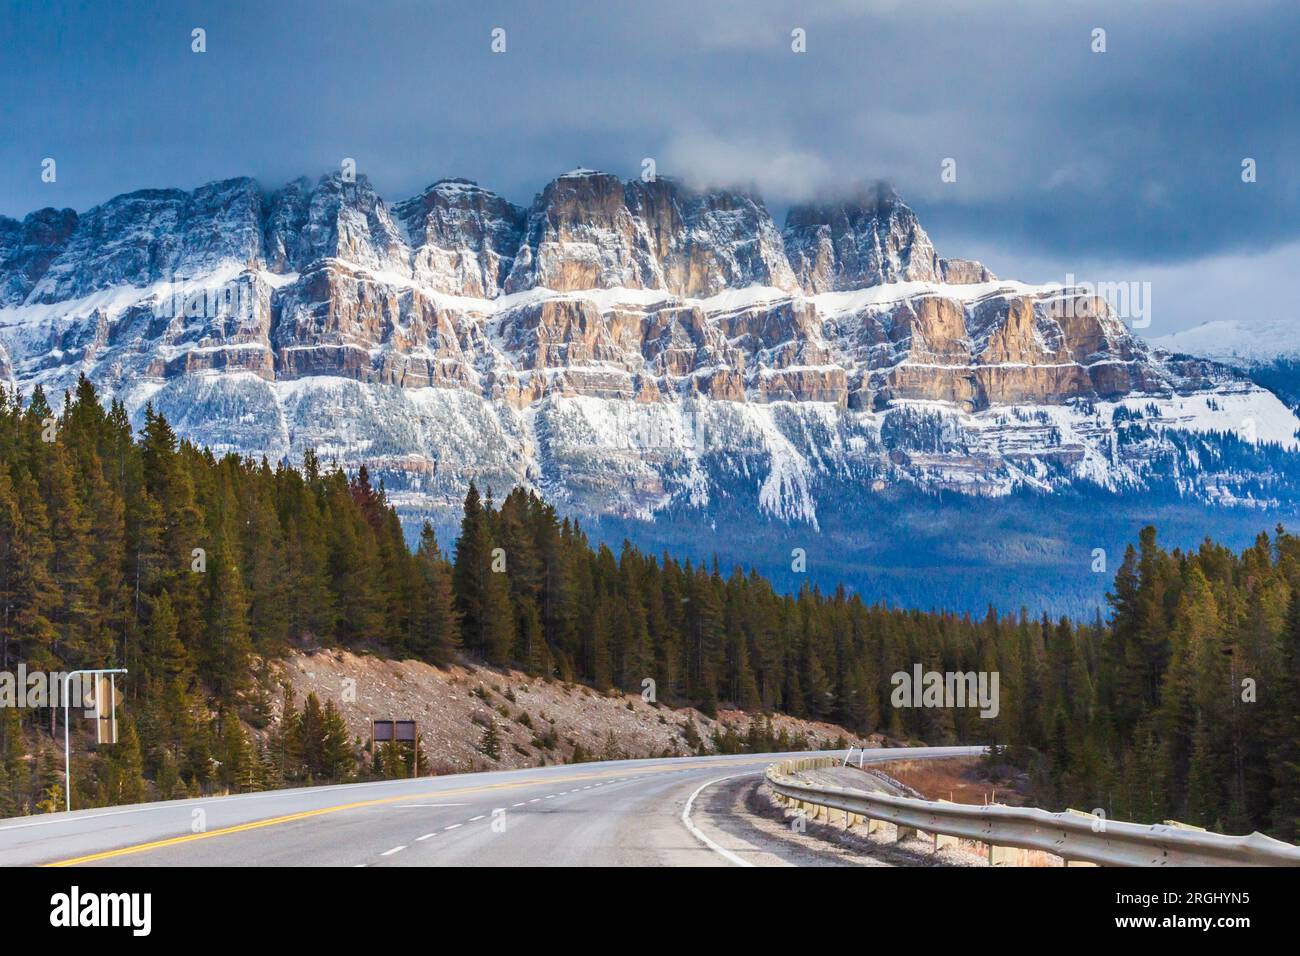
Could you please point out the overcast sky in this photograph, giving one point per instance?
(1122, 165)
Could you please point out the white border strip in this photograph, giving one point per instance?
(699, 834)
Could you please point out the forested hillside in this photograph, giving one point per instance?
(193, 571)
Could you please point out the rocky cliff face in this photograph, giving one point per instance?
(589, 230)
(622, 346)
(869, 239)
(150, 236)
(28, 248)
(463, 238)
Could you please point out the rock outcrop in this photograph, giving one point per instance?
(463, 238)
(589, 230)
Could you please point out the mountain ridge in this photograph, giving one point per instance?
(621, 346)
(875, 211)
(1239, 342)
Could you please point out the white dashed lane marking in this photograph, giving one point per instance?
(550, 796)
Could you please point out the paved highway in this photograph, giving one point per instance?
(618, 813)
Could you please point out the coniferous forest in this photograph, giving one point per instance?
(146, 552)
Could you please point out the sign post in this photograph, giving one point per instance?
(98, 674)
(396, 731)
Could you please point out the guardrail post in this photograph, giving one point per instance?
(1006, 855)
(942, 841)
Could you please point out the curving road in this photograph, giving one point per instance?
(618, 813)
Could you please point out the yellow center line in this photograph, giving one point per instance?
(307, 814)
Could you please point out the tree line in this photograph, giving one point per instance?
(194, 571)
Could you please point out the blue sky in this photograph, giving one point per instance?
(1123, 165)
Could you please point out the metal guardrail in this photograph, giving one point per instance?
(1075, 836)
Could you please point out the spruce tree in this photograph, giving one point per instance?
(490, 745)
(437, 633)
(337, 760)
(472, 573)
(1285, 737)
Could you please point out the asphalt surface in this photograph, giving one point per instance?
(617, 813)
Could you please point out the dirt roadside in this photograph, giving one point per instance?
(538, 722)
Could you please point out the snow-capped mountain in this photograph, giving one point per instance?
(869, 239)
(1237, 342)
(625, 347)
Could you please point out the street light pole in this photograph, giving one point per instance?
(67, 745)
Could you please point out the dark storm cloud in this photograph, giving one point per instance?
(1130, 156)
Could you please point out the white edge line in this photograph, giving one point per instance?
(699, 834)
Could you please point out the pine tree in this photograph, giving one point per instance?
(50, 782)
(287, 741)
(1286, 728)
(392, 761)
(29, 598)
(353, 564)
(228, 643)
(472, 575)
(498, 620)
(437, 625)
(490, 745)
(311, 737)
(165, 656)
(168, 778)
(264, 568)
(238, 760)
(337, 760)
(530, 643)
